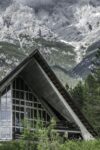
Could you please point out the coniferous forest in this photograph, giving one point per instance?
(87, 94)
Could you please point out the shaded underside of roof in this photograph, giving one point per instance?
(39, 76)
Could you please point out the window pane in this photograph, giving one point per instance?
(6, 115)
(26, 105)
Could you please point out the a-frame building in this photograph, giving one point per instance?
(32, 90)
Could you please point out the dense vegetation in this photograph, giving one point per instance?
(69, 145)
(87, 94)
(47, 139)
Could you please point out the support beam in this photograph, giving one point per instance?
(85, 133)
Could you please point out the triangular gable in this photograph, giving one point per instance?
(46, 85)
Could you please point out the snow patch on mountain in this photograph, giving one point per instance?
(76, 22)
(87, 24)
(72, 22)
(19, 20)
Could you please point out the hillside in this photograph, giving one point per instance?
(53, 51)
(66, 32)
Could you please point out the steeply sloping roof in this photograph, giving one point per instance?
(33, 70)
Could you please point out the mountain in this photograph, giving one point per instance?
(86, 65)
(12, 54)
(65, 31)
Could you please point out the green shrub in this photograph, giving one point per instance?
(43, 138)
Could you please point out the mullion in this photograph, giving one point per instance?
(28, 103)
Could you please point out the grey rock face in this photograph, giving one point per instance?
(74, 22)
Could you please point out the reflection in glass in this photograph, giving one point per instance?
(6, 115)
(26, 105)
(19, 103)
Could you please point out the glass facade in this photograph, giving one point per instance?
(26, 105)
(18, 102)
(6, 115)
